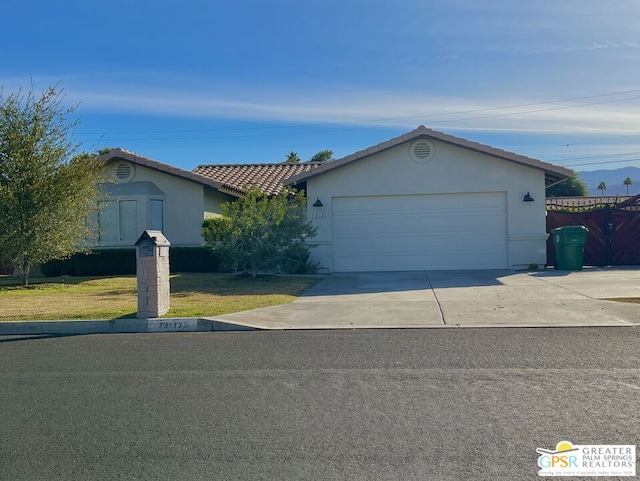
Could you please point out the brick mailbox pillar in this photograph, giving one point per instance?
(152, 268)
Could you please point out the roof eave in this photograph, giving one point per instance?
(553, 173)
(119, 153)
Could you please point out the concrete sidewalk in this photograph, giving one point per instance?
(547, 298)
(441, 299)
(115, 326)
(433, 299)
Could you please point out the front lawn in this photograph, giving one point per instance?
(192, 295)
(632, 300)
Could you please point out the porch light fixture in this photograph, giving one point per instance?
(528, 198)
(318, 202)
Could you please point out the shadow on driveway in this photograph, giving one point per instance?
(402, 281)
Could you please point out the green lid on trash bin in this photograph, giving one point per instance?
(570, 234)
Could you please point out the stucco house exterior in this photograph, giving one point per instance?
(145, 194)
(428, 200)
(422, 201)
(141, 193)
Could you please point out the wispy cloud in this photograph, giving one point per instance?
(586, 48)
(505, 111)
(373, 107)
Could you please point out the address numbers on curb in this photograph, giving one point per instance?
(173, 325)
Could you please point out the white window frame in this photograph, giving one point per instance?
(118, 222)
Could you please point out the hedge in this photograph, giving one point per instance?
(113, 262)
(193, 259)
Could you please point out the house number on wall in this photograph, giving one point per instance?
(319, 215)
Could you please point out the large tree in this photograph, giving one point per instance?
(572, 186)
(322, 156)
(48, 189)
(627, 182)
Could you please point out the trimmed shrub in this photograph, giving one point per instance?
(116, 262)
(5, 267)
(108, 262)
(193, 259)
(57, 268)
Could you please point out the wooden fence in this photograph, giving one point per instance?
(613, 223)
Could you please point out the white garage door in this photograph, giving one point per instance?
(420, 232)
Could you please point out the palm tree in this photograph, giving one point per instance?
(627, 182)
(292, 158)
(602, 187)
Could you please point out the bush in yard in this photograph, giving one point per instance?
(56, 268)
(258, 232)
(107, 262)
(193, 259)
(295, 259)
(114, 262)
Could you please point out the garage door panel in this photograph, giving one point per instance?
(408, 262)
(416, 244)
(413, 203)
(441, 231)
(421, 222)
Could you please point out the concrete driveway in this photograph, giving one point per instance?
(456, 299)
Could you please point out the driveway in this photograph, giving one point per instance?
(456, 299)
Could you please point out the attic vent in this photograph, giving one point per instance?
(124, 171)
(422, 150)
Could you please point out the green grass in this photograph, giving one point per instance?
(631, 300)
(192, 295)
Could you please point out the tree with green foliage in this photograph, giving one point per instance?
(104, 150)
(322, 156)
(47, 189)
(292, 158)
(572, 186)
(627, 182)
(602, 186)
(258, 232)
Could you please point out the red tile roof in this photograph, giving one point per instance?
(553, 173)
(268, 177)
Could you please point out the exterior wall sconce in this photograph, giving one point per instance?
(318, 202)
(528, 198)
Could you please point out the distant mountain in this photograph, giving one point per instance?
(613, 178)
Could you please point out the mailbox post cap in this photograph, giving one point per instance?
(154, 236)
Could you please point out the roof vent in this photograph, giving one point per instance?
(124, 171)
(422, 150)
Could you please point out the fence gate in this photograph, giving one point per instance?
(613, 223)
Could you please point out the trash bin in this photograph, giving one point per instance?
(569, 241)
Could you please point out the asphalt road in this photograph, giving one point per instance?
(312, 405)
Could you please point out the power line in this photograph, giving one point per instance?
(595, 156)
(397, 118)
(413, 116)
(571, 144)
(544, 110)
(604, 162)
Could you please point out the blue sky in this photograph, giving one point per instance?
(195, 82)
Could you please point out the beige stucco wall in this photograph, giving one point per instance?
(452, 170)
(213, 201)
(183, 207)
